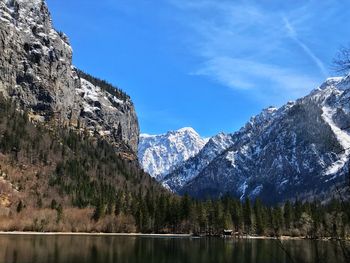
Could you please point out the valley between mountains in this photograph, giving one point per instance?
(72, 157)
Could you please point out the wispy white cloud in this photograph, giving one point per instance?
(294, 36)
(246, 46)
(245, 74)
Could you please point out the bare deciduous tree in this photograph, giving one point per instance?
(341, 62)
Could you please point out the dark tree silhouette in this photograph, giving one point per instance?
(341, 62)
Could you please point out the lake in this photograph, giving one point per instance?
(124, 249)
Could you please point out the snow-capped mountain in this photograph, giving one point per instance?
(159, 154)
(300, 150)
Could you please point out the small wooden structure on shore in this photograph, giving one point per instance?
(227, 232)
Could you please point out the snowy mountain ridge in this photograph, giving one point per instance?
(300, 150)
(159, 154)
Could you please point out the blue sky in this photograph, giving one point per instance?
(207, 64)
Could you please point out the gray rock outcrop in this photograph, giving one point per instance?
(36, 71)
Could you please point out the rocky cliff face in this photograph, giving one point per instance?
(300, 150)
(107, 111)
(36, 71)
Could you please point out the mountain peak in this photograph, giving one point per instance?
(159, 154)
(337, 82)
(187, 129)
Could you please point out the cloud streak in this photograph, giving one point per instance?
(246, 46)
(294, 36)
(244, 75)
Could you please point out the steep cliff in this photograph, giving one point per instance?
(36, 71)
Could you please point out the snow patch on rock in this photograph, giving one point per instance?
(343, 138)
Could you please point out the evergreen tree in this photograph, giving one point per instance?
(247, 214)
(288, 215)
(228, 224)
(53, 204)
(238, 217)
(59, 211)
(277, 220)
(259, 218)
(19, 206)
(185, 206)
(99, 211)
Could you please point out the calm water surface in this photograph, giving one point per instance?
(108, 249)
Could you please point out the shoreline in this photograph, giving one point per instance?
(30, 233)
(247, 237)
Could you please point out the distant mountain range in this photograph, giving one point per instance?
(300, 150)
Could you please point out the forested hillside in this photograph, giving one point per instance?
(55, 179)
(47, 167)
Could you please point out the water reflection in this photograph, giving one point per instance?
(102, 249)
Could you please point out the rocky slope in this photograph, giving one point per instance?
(189, 169)
(299, 150)
(36, 71)
(160, 154)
